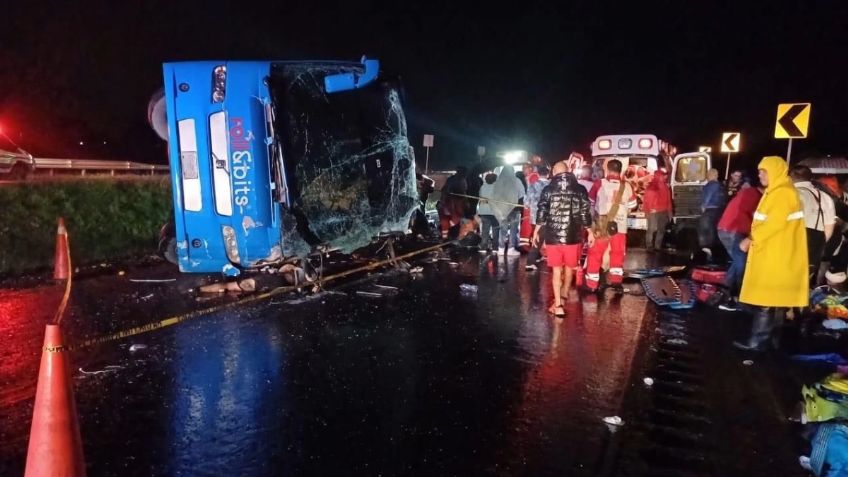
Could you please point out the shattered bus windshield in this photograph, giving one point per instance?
(347, 161)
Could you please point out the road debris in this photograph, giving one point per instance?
(468, 289)
(648, 382)
(748, 362)
(304, 299)
(108, 369)
(613, 423)
(416, 270)
(835, 324)
(368, 294)
(137, 347)
(247, 285)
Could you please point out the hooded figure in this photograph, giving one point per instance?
(776, 274)
(508, 188)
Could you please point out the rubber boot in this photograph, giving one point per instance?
(761, 328)
(778, 317)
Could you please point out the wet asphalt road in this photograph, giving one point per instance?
(399, 374)
(420, 381)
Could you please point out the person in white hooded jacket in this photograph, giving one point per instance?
(489, 229)
(507, 192)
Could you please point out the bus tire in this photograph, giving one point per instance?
(167, 248)
(169, 251)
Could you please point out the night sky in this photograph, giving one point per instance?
(545, 76)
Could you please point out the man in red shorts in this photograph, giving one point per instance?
(563, 215)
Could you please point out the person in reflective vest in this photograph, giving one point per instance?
(776, 275)
(614, 199)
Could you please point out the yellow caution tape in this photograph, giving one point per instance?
(245, 301)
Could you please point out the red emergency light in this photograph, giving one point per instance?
(645, 143)
(604, 144)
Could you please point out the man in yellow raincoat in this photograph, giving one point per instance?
(776, 275)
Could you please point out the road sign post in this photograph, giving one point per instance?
(789, 151)
(428, 143)
(729, 144)
(793, 122)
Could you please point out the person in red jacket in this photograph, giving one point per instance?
(733, 227)
(657, 206)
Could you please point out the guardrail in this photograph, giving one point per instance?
(82, 165)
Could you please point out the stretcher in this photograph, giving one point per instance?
(677, 294)
(641, 273)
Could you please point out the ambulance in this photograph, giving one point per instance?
(643, 154)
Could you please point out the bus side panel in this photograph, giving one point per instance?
(174, 164)
(200, 245)
(199, 242)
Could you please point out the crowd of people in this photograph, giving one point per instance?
(566, 214)
(775, 230)
(781, 237)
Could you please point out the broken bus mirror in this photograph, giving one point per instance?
(348, 81)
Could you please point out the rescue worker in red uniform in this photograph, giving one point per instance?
(611, 231)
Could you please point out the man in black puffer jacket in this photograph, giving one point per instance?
(564, 214)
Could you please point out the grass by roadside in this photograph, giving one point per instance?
(106, 219)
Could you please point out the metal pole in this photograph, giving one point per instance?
(789, 151)
(727, 168)
(427, 163)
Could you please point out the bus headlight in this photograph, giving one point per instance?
(230, 244)
(219, 84)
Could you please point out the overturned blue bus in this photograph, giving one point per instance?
(272, 159)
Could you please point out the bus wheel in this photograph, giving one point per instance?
(167, 248)
(169, 251)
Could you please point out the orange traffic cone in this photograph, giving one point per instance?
(55, 447)
(60, 258)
